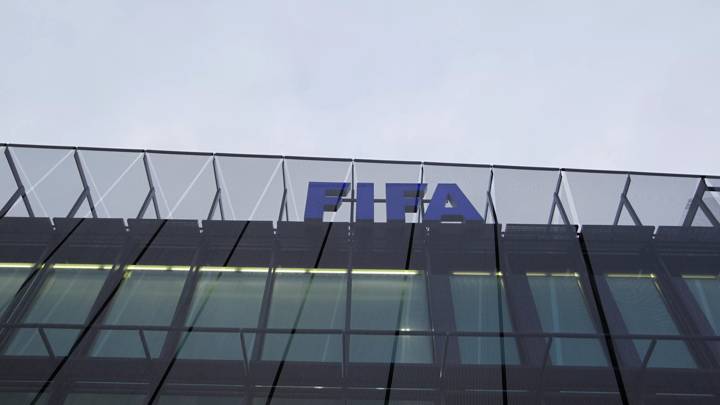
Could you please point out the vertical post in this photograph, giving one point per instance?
(497, 228)
(489, 204)
(151, 193)
(557, 203)
(625, 202)
(420, 198)
(217, 200)
(283, 202)
(698, 203)
(219, 188)
(352, 191)
(86, 188)
(20, 188)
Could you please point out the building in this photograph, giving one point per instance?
(137, 277)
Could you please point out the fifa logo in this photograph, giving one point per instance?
(448, 203)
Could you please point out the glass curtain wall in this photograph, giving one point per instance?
(480, 301)
(562, 308)
(145, 298)
(65, 297)
(389, 301)
(644, 312)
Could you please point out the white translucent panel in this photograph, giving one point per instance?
(594, 197)
(382, 173)
(712, 198)
(118, 183)
(474, 183)
(51, 179)
(523, 196)
(252, 188)
(18, 209)
(566, 199)
(625, 218)
(300, 172)
(184, 184)
(661, 200)
(7, 182)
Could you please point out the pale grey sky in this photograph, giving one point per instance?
(594, 84)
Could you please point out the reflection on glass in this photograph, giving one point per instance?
(199, 400)
(562, 308)
(145, 298)
(11, 279)
(66, 296)
(298, 401)
(306, 301)
(106, 399)
(644, 312)
(706, 290)
(22, 398)
(389, 302)
(390, 402)
(475, 301)
(223, 300)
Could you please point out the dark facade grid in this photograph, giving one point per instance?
(517, 251)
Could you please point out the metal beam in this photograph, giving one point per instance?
(86, 188)
(151, 193)
(18, 182)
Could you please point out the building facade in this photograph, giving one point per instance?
(136, 277)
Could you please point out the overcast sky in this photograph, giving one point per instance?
(595, 84)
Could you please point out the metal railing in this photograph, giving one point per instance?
(52, 181)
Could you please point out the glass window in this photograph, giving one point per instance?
(145, 298)
(706, 290)
(66, 296)
(306, 301)
(11, 279)
(223, 300)
(644, 312)
(475, 301)
(562, 308)
(389, 300)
